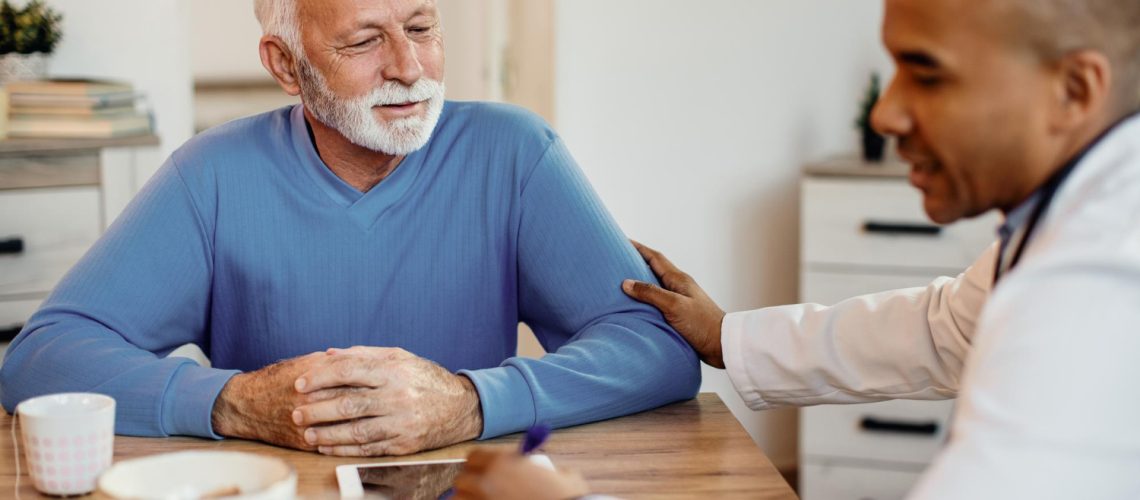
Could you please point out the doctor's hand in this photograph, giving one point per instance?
(683, 303)
(506, 475)
(406, 404)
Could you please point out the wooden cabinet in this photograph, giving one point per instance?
(49, 232)
(877, 225)
(56, 198)
(839, 482)
(864, 231)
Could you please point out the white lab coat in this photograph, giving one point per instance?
(1046, 368)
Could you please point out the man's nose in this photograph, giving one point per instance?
(403, 63)
(891, 115)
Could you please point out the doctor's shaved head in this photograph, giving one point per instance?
(991, 97)
(1053, 29)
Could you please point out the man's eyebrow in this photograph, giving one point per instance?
(371, 24)
(353, 31)
(422, 11)
(918, 58)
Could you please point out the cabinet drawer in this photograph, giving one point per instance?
(49, 170)
(43, 233)
(880, 223)
(15, 313)
(835, 482)
(831, 288)
(902, 432)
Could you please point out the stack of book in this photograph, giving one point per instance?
(84, 109)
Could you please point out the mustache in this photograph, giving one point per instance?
(907, 147)
(391, 92)
(912, 151)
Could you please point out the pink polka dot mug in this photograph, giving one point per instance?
(68, 440)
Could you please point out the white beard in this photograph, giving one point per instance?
(355, 120)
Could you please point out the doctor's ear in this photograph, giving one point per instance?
(281, 64)
(1083, 90)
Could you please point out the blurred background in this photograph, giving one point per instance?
(703, 126)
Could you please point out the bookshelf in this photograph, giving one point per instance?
(49, 146)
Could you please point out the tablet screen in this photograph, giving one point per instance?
(419, 481)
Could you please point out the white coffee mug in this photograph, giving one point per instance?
(69, 440)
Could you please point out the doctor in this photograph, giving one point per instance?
(1024, 106)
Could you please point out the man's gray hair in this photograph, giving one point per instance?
(1057, 27)
(279, 18)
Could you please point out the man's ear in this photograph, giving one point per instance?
(281, 64)
(1083, 90)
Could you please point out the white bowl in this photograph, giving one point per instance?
(194, 474)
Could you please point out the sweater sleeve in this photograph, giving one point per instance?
(140, 292)
(608, 355)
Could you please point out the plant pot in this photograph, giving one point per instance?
(20, 67)
(873, 146)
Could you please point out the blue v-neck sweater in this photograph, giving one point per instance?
(245, 244)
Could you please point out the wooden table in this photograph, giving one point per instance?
(694, 449)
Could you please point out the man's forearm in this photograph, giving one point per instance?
(228, 416)
(470, 416)
(167, 396)
(595, 377)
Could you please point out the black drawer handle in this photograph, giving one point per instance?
(12, 246)
(872, 424)
(903, 228)
(7, 334)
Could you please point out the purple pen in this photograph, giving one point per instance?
(534, 438)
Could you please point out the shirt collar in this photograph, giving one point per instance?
(1017, 218)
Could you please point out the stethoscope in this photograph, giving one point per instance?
(1048, 192)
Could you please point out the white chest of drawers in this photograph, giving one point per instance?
(864, 231)
(56, 198)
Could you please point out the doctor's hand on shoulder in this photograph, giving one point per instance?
(683, 303)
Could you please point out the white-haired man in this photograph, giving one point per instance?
(372, 215)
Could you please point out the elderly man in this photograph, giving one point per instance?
(1025, 106)
(375, 214)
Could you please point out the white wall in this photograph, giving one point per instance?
(224, 35)
(693, 120)
(143, 42)
(466, 25)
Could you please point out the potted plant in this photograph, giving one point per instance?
(873, 142)
(27, 38)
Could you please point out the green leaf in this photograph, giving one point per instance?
(35, 28)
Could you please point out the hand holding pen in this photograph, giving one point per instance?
(509, 475)
(534, 438)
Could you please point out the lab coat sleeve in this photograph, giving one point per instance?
(1050, 409)
(903, 344)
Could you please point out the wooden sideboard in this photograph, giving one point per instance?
(864, 231)
(56, 198)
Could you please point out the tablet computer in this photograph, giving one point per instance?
(419, 479)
